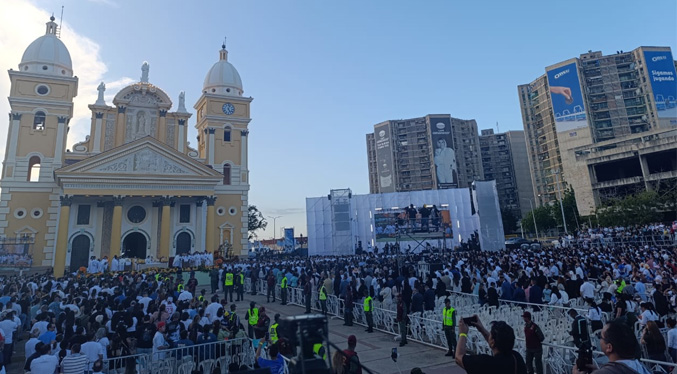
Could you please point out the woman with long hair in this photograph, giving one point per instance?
(337, 363)
(653, 341)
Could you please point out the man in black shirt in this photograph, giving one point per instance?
(144, 336)
(501, 340)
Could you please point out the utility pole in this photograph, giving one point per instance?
(274, 224)
(561, 201)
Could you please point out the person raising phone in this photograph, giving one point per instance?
(501, 340)
(276, 362)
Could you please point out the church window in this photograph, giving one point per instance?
(226, 174)
(42, 90)
(39, 121)
(136, 214)
(83, 214)
(33, 169)
(184, 213)
(226, 134)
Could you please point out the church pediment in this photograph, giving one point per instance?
(145, 157)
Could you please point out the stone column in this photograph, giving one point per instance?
(96, 137)
(62, 236)
(199, 224)
(211, 222)
(244, 168)
(61, 134)
(116, 231)
(644, 165)
(120, 126)
(181, 147)
(162, 127)
(210, 145)
(14, 127)
(165, 227)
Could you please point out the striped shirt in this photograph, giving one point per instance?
(74, 364)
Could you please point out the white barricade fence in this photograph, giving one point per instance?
(559, 354)
(202, 358)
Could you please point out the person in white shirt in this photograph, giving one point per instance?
(8, 326)
(93, 350)
(145, 300)
(115, 264)
(46, 363)
(185, 295)
(648, 314)
(29, 348)
(93, 266)
(672, 338)
(159, 342)
(587, 290)
(210, 311)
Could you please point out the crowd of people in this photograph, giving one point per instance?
(82, 322)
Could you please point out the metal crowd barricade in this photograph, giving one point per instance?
(201, 358)
(426, 328)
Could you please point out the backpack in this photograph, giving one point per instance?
(350, 363)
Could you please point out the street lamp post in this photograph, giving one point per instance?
(561, 204)
(274, 224)
(531, 205)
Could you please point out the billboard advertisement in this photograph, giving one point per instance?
(444, 155)
(567, 99)
(426, 222)
(384, 158)
(289, 244)
(661, 69)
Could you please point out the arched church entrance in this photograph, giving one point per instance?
(134, 245)
(79, 252)
(183, 241)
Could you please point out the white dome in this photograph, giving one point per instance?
(223, 78)
(47, 55)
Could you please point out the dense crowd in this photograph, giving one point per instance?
(80, 322)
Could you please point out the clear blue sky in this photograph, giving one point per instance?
(322, 73)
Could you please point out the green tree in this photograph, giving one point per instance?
(544, 219)
(637, 209)
(570, 210)
(509, 221)
(256, 221)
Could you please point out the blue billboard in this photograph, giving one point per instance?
(567, 99)
(289, 242)
(661, 69)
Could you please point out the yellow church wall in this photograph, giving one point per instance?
(215, 107)
(30, 201)
(57, 91)
(226, 202)
(227, 150)
(31, 140)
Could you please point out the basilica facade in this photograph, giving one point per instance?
(134, 187)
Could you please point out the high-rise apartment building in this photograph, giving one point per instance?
(604, 125)
(424, 153)
(504, 159)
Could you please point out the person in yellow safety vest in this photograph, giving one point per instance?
(228, 285)
(449, 325)
(201, 298)
(239, 285)
(323, 299)
(252, 317)
(273, 329)
(283, 290)
(368, 312)
(320, 351)
(179, 288)
(621, 285)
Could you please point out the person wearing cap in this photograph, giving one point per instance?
(534, 349)
(352, 362)
(449, 326)
(159, 342)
